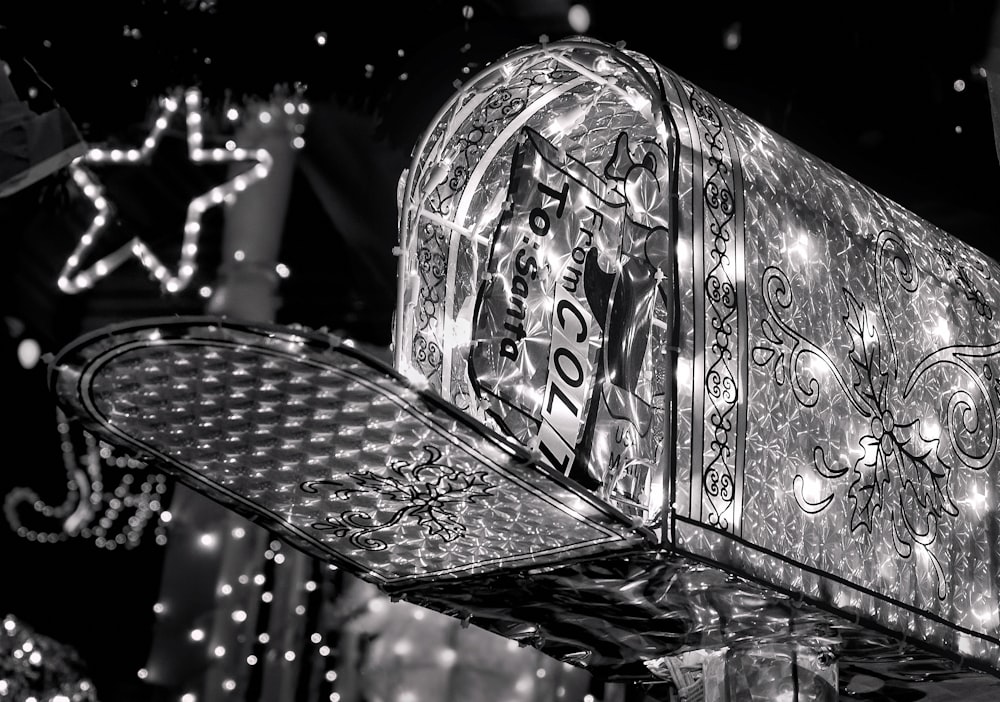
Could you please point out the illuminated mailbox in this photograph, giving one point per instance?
(665, 298)
(664, 385)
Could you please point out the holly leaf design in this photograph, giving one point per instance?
(923, 480)
(364, 481)
(866, 353)
(901, 467)
(871, 476)
(441, 524)
(464, 486)
(385, 486)
(903, 474)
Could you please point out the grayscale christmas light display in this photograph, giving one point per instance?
(669, 396)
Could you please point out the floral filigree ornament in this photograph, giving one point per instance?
(909, 450)
(432, 493)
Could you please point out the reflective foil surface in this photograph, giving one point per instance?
(788, 374)
(324, 445)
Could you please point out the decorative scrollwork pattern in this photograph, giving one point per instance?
(721, 376)
(428, 491)
(906, 456)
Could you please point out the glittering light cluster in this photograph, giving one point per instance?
(396, 645)
(109, 516)
(287, 113)
(37, 668)
(239, 626)
(74, 278)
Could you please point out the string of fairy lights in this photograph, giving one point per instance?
(117, 516)
(110, 512)
(78, 274)
(245, 598)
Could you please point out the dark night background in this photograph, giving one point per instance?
(869, 87)
(865, 86)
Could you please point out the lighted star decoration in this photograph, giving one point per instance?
(74, 279)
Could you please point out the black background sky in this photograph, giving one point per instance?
(867, 86)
